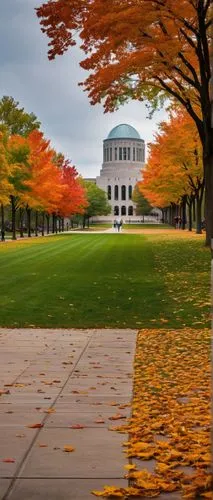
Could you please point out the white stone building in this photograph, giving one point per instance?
(123, 160)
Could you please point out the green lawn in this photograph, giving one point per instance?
(105, 280)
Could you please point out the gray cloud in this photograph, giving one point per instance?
(51, 91)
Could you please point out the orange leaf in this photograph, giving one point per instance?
(118, 416)
(35, 426)
(69, 448)
(77, 426)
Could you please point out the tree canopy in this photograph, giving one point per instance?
(16, 120)
(137, 48)
(97, 201)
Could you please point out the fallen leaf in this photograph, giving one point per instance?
(118, 416)
(77, 426)
(69, 448)
(8, 460)
(35, 426)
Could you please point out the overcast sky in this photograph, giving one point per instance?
(50, 89)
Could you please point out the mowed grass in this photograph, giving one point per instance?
(105, 280)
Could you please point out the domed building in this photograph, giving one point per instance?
(123, 160)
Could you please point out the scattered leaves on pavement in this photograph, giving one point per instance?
(170, 423)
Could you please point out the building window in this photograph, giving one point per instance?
(120, 153)
(128, 154)
(104, 154)
(116, 210)
(116, 193)
(107, 154)
(123, 210)
(109, 192)
(130, 192)
(124, 154)
(110, 154)
(133, 154)
(130, 210)
(123, 192)
(116, 154)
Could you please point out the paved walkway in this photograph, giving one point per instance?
(56, 380)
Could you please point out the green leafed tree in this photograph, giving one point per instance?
(15, 118)
(143, 207)
(98, 203)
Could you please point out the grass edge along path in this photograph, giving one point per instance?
(169, 432)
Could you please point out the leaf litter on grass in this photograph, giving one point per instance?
(170, 422)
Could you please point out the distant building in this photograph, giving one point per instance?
(123, 160)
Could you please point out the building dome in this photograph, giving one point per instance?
(124, 131)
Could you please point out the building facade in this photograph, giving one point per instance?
(123, 161)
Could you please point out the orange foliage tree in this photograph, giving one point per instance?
(142, 49)
(73, 199)
(45, 190)
(174, 173)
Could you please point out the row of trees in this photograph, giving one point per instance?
(35, 178)
(173, 177)
(150, 50)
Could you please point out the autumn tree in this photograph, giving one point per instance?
(17, 152)
(44, 184)
(74, 195)
(173, 174)
(144, 50)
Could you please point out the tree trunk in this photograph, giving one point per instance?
(53, 223)
(198, 215)
(2, 223)
(29, 222)
(56, 224)
(62, 224)
(21, 213)
(43, 222)
(194, 209)
(13, 206)
(48, 223)
(36, 223)
(59, 224)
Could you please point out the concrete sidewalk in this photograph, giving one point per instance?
(56, 381)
